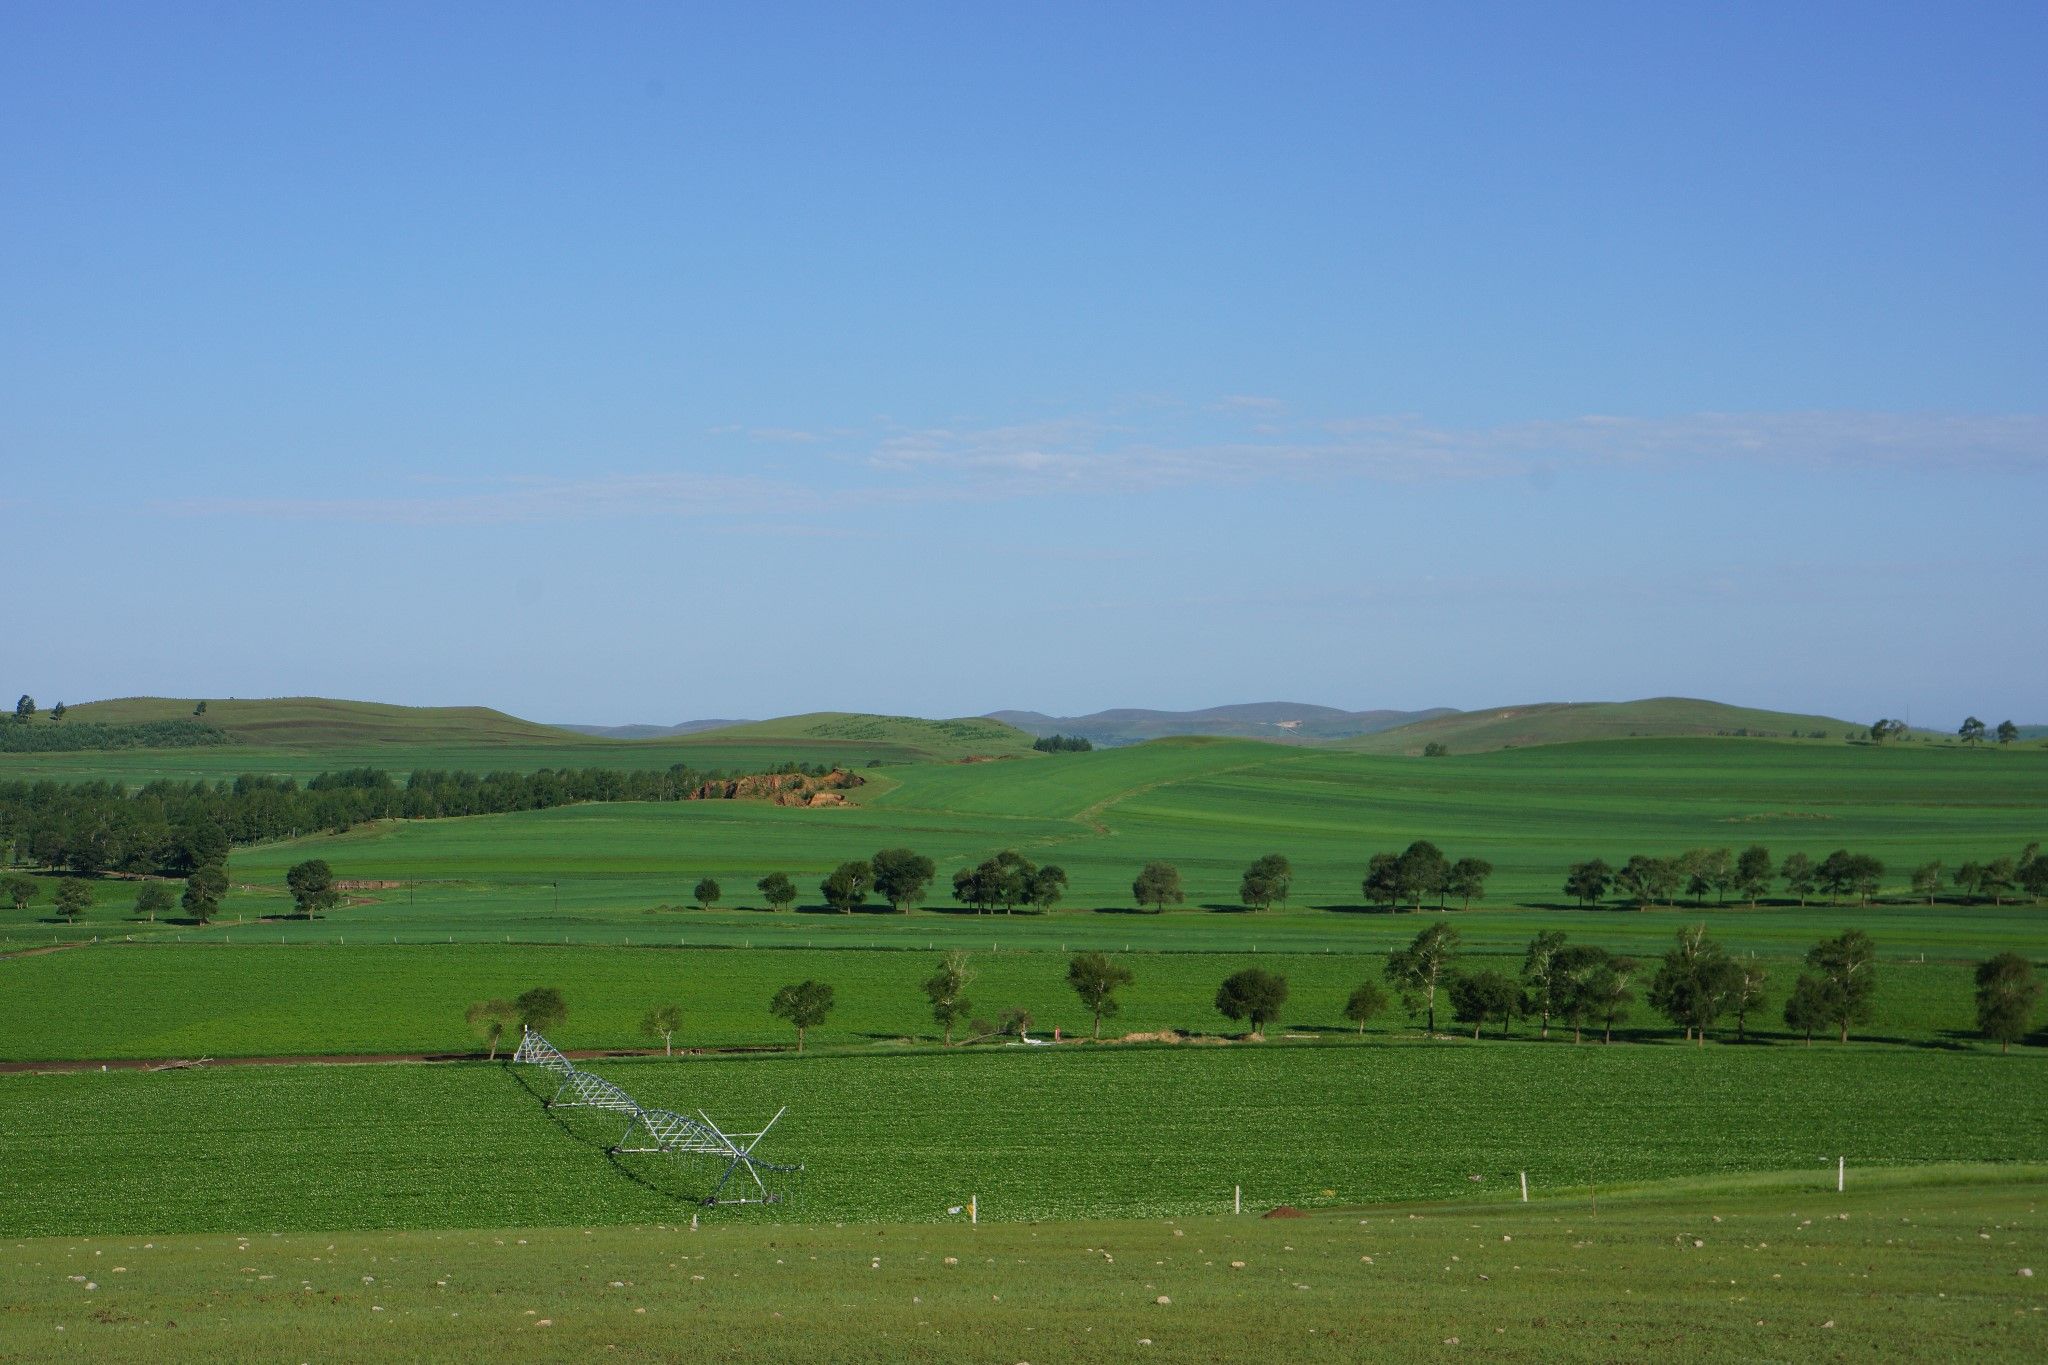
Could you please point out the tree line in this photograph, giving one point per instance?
(168, 828)
(1697, 986)
(1748, 876)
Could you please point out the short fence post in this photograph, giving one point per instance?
(1525, 1187)
(1841, 1172)
(1237, 1199)
(973, 1210)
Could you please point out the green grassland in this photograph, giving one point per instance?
(1071, 1132)
(1571, 722)
(1210, 807)
(1894, 1268)
(298, 1001)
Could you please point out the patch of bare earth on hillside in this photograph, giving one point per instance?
(783, 789)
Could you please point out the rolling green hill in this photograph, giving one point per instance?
(293, 722)
(966, 737)
(1509, 727)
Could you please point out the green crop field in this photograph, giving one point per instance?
(1035, 1133)
(896, 1129)
(306, 1000)
(1908, 1265)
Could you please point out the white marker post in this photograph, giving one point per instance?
(1841, 1172)
(973, 1210)
(1525, 1187)
(1237, 1199)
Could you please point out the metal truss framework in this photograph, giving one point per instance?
(662, 1131)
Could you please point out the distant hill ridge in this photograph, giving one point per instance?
(1284, 722)
(1507, 727)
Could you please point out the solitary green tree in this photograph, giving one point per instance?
(778, 890)
(706, 893)
(1481, 996)
(1613, 991)
(1748, 995)
(1806, 1007)
(312, 886)
(1927, 880)
(20, 891)
(73, 898)
(1253, 995)
(663, 1022)
(1693, 984)
(2006, 995)
(1422, 969)
(489, 1019)
(1587, 882)
(1971, 731)
(57, 712)
(1266, 882)
(803, 1006)
(204, 890)
(1540, 978)
(2007, 732)
(1157, 885)
(1366, 1001)
(1847, 967)
(901, 877)
(1797, 874)
(25, 709)
(2000, 875)
(1467, 881)
(153, 898)
(1096, 979)
(1753, 873)
(541, 1008)
(1424, 871)
(946, 988)
(1579, 972)
(1045, 886)
(846, 888)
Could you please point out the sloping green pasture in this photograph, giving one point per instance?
(1210, 807)
(1057, 1133)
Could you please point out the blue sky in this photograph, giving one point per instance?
(648, 362)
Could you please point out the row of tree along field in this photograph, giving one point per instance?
(1697, 987)
(1748, 876)
(901, 878)
(169, 828)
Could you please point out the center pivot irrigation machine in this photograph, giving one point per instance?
(662, 1131)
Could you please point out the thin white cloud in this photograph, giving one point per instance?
(1160, 449)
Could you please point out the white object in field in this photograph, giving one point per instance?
(1841, 1172)
(1237, 1199)
(1525, 1187)
(973, 1209)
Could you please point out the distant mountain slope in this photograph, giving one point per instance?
(315, 721)
(1567, 722)
(688, 727)
(964, 737)
(1284, 721)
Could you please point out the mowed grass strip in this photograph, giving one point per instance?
(259, 1001)
(1919, 1266)
(1035, 1134)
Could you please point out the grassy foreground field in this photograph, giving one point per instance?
(1912, 1265)
(1072, 1132)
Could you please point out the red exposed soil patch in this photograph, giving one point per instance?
(1284, 1211)
(783, 789)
